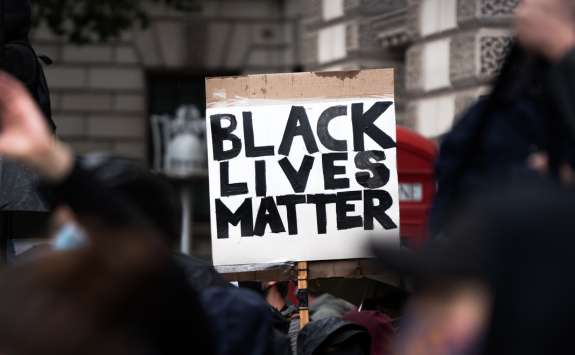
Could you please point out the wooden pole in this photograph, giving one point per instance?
(302, 278)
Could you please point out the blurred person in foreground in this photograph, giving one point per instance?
(525, 126)
(120, 294)
(17, 185)
(333, 336)
(154, 198)
(502, 281)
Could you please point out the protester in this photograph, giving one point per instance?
(479, 294)
(122, 290)
(241, 319)
(324, 305)
(17, 185)
(526, 124)
(379, 327)
(499, 280)
(333, 336)
(153, 197)
(321, 306)
(276, 296)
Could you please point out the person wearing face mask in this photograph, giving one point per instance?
(122, 286)
(152, 195)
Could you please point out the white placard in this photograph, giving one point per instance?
(348, 156)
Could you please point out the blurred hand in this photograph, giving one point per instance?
(546, 27)
(24, 135)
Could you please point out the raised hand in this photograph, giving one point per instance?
(546, 27)
(24, 136)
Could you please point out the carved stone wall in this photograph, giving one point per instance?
(413, 20)
(367, 35)
(477, 47)
(493, 50)
(467, 10)
(352, 36)
(476, 56)
(414, 70)
(495, 8)
(310, 49)
(380, 6)
(473, 10)
(362, 45)
(99, 92)
(463, 58)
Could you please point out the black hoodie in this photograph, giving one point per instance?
(18, 20)
(18, 186)
(19, 60)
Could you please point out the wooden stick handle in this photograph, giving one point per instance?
(302, 278)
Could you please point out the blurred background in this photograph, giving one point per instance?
(125, 72)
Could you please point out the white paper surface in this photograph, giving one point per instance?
(269, 122)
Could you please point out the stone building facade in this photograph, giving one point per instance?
(456, 51)
(445, 53)
(100, 92)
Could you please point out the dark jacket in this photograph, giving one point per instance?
(492, 141)
(379, 327)
(148, 298)
(19, 59)
(471, 156)
(333, 333)
(200, 274)
(17, 185)
(241, 319)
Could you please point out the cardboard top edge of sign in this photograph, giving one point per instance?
(309, 85)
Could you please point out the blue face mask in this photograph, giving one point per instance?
(70, 237)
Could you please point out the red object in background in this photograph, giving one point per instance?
(415, 159)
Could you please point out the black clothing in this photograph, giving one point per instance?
(335, 334)
(169, 316)
(17, 185)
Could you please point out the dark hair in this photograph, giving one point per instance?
(150, 193)
(282, 288)
(18, 18)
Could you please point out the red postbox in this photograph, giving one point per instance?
(415, 159)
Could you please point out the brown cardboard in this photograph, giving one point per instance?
(306, 86)
(311, 85)
(319, 270)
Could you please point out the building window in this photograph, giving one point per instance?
(436, 65)
(437, 16)
(172, 95)
(435, 115)
(331, 44)
(332, 9)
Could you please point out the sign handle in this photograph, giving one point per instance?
(302, 278)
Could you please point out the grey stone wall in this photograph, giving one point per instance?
(99, 91)
(451, 64)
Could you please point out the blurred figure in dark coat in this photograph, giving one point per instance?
(500, 281)
(17, 185)
(525, 126)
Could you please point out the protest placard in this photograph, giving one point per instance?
(302, 166)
